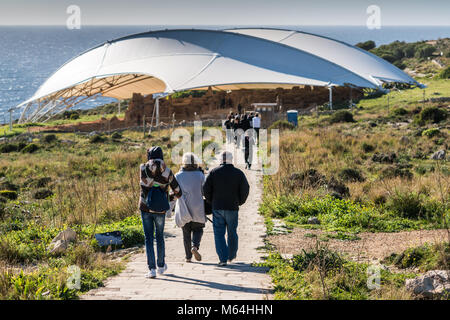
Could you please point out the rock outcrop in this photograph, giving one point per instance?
(61, 242)
(433, 284)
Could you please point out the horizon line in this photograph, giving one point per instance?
(219, 25)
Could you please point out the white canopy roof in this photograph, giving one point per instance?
(175, 60)
(354, 59)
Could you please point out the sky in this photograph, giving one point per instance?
(225, 12)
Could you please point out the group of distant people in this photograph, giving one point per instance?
(224, 189)
(238, 130)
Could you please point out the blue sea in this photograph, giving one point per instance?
(29, 55)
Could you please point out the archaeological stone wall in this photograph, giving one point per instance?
(216, 104)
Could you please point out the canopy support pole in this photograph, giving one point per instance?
(157, 113)
(118, 107)
(351, 98)
(423, 98)
(388, 102)
(330, 88)
(153, 117)
(10, 119)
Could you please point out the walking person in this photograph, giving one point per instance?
(190, 209)
(237, 128)
(256, 124)
(250, 119)
(155, 180)
(249, 142)
(229, 128)
(226, 188)
(245, 123)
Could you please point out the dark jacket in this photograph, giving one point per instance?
(226, 188)
(245, 124)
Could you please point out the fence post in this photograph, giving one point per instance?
(143, 124)
(10, 120)
(330, 88)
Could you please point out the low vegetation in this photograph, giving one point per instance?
(424, 258)
(320, 274)
(366, 169)
(55, 181)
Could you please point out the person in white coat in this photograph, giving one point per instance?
(190, 208)
(256, 124)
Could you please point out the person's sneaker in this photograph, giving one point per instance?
(222, 264)
(151, 274)
(196, 254)
(188, 260)
(163, 269)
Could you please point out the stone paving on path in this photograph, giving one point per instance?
(201, 280)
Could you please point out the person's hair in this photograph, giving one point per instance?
(226, 157)
(190, 159)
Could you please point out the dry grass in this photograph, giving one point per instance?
(333, 148)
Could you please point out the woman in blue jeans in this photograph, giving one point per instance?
(155, 173)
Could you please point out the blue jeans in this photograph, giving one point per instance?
(225, 220)
(153, 224)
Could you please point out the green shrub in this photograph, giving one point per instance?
(50, 138)
(399, 112)
(424, 51)
(97, 138)
(342, 116)
(8, 147)
(407, 205)
(352, 175)
(445, 74)
(426, 257)
(42, 194)
(389, 57)
(368, 45)
(41, 182)
(116, 135)
(7, 185)
(431, 132)
(9, 194)
(282, 125)
(367, 147)
(74, 116)
(396, 171)
(432, 114)
(322, 258)
(399, 65)
(31, 148)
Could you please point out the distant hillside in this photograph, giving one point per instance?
(420, 59)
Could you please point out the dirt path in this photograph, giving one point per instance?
(370, 247)
(205, 279)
